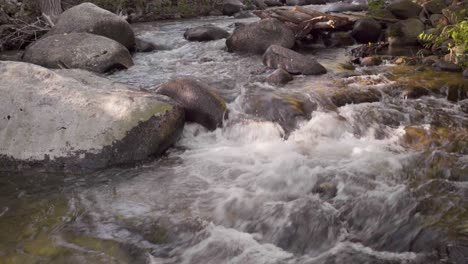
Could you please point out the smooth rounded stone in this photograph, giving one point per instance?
(142, 45)
(12, 55)
(279, 77)
(371, 61)
(205, 33)
(465, 73)
(286, 110)
(326, 190)
(429, 60)
(273, 3)
(79, 51)
(295, 63)
(230, 7)
(434, 6)
(405, 32)
(438, 20)
(260, 4)
(447, 66)
(341, 7)
(340, 39)
(414, 92)
(202, 105)
(243, 14)
(76, 120)
(258, 36)
(354, 96)
(305, 2)
(90, 18)
(366, 30)
(404, 9)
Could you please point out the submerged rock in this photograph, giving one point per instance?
(74, 120)
(205, 33)
(258, 36)
(79, 51)
(142, 45)
(279, 77)
(286, 110)
(202, 105)
(354, 96)
(371, 61)
(90, 18)
(447, 66)
(295, 63)
(340, 39)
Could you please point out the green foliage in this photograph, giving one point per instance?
(376, 7)
(457, 32)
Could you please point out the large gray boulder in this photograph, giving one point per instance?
(201, 103)
(405, 32)
(366, 30)
(79, 51)
(205, 33)
(258, 36)
(74, 120)
(404, 9)
(90, 18)
(230, 7)
(295, 63)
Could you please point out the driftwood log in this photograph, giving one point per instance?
(304, 21)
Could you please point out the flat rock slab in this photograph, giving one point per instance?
(74, 120)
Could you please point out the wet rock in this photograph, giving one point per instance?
(340, 7)
(371, 61)
(205, 33)
(347, 66)
(242, 14)
(279, 77)
(79, 50)
(465, 73)
(216, 13)
(354, 96)
(89, 18)
(295, 63)
(404, 9)
(366, 30)
(230, 7)
(286, 110)
(12, 55)
(142, 45)
(340, 39)
(258, 36)
(405, 33)
(202, 105)
(75, 120)
(305, 2)
(447, 66)
(260, 4)
(434, 6)
(326, 190)
(452, 13)
(414, 92)
(438, 20)
(273, 3)
(429, 60)
(456, 93)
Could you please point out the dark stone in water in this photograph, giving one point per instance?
(279, 77)
(291, 61)
(202, 105)
(205, 33)
(447, 66)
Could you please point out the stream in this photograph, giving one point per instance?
(379, 182)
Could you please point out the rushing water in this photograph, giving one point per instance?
(382, 182)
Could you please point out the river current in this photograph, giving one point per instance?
(380, 182)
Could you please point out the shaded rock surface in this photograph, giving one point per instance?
(404, 9)
(75, 120)
(230, 7)
(295, 63)
(90, 18)
(202, 105)
(79, 50)
(279, 77)
(205, 33)
(366, 30)
(258, 36)
(405, 32)
(142, 45)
